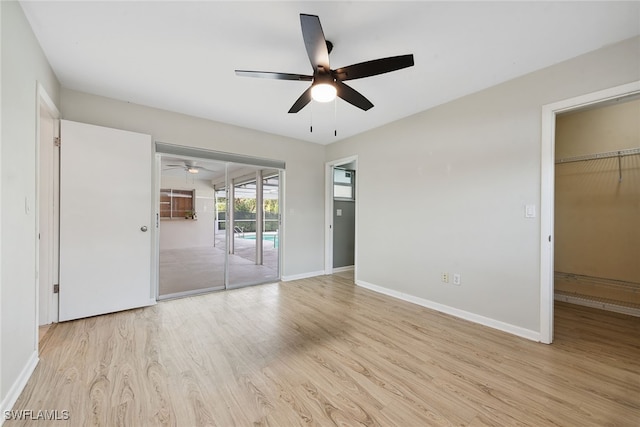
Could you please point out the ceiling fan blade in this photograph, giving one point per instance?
(352, 96)
(300, 103)
(315, 42)
(374, 67)
(270, 75)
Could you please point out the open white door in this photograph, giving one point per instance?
(106, 218)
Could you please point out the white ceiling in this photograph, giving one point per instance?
(181, 56)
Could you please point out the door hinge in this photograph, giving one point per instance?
(56, 141)
(56, 289)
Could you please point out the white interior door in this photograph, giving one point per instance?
(106, 220)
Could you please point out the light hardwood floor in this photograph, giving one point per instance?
(323, 352)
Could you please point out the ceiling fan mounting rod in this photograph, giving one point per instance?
(323, 76)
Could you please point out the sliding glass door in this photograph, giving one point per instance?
(254, 253)
(191, 246)
(219, 225)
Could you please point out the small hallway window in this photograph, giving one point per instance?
(344, 184)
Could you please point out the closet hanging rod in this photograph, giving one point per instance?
(608, 154)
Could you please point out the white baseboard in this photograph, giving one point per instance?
(472, 317)
(302, 276)
(342, 269)
(631, 311)
(18, 386)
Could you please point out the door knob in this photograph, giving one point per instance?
(143, 228)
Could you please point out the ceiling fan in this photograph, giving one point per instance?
(327, 83)
(191, 168)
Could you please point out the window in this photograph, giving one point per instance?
(344, 184)
(176, 203)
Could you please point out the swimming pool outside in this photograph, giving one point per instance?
(266, 237)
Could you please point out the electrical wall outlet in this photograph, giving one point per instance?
(456, 278)
(444, 277)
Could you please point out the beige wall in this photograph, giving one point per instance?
(303, 239)
(597, 216)
(23, 65)
(459, 177)
(181, 233)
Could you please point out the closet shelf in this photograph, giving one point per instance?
(608, 154)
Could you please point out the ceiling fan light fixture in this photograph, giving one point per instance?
(323, 92)
(192, 169)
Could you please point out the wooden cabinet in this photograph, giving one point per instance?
(177, 203)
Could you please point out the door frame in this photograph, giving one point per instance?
(45, 102)
(328, 216)
(547, 192)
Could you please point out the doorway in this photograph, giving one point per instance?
(547, 204)
(48, 187)
(341, 216)
(597, 189)
(93, 262)
(219, 224)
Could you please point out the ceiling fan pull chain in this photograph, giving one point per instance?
(311, 119)
(335, 116)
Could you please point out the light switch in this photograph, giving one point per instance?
(530, 211)
(339, 212)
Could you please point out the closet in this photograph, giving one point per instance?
(597, 206)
